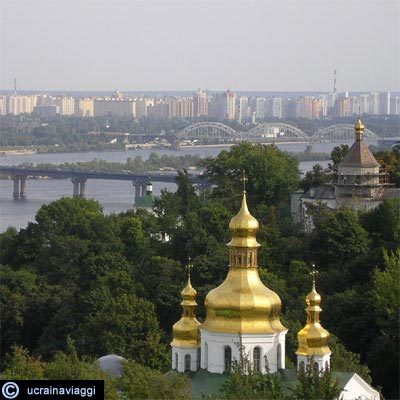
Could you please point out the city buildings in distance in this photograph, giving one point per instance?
(218, 106)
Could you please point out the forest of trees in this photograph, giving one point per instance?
(77, 284)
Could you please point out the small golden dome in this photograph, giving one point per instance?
(186, 332)
(313, 338)
(313, 298)
(244, 227)
(359, 126)
(188, 292)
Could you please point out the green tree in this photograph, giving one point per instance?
(245, 383)
(337, 155)
(384, 351)
(383, 224)
(272, 174)
(314, 178)
(313, 385)
(139, 382)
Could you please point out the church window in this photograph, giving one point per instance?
(176, 361)
(187, 362)
(279, 356)
(301, 365)
(257, 359)
(227, 359)
(316, 367)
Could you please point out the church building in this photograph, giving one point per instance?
(242, 309)
(359, 183)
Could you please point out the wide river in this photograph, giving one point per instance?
(114, 196)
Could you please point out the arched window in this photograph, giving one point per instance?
(176, 361)
(187, 362)
(279, 356)
(257, 359)
(316, 366)
(302, 365)
(327, 367)
(227, 359)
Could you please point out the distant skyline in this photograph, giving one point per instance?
(184, 45)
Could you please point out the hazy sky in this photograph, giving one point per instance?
(187, 44)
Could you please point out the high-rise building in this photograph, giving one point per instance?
(395, 105)
(364, 104)
(3, 105)
(375, 102)
(243, 108)
(84, 107)
(114, 106)
(200, 103)
(66, 105)
(18, 104)
(261, 108)
(385, 103)
(228, 105)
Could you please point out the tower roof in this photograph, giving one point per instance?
(242, 303)
(313, 338)
(359, 153)
(186, 331)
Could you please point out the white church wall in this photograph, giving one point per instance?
(357, 389)
(213, 350)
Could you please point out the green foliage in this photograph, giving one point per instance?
(337, 155)
(139, 382)
(314, 385)
(383, 224)
(384, 352)
(244, 382)
(315, 177)
(344, 360)
(20, 365)
(136, 382)
(390, 161)
(272, 174)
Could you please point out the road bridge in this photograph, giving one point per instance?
(79, 178)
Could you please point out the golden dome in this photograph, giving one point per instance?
(186, 331)
(244, 227)
(313, 338)
(242, 304)
(359, 128)
(188, 292)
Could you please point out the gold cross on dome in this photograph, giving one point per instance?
(244, 179)
(314, 273)
(189, 267)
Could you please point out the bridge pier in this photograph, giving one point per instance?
(79, 187)
(19, 186)
(139, 188)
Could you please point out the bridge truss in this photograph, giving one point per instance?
(276, 130)
(209, 130)
(341, 132)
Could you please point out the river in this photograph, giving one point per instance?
(114, 196)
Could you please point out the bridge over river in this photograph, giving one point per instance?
(79, 178)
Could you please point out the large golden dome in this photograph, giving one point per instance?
(186, 331)
(242, 304)
(313, 338)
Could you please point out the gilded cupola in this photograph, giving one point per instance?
(359, 129)
(313, 338)
(186, 331)
(242, 304)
